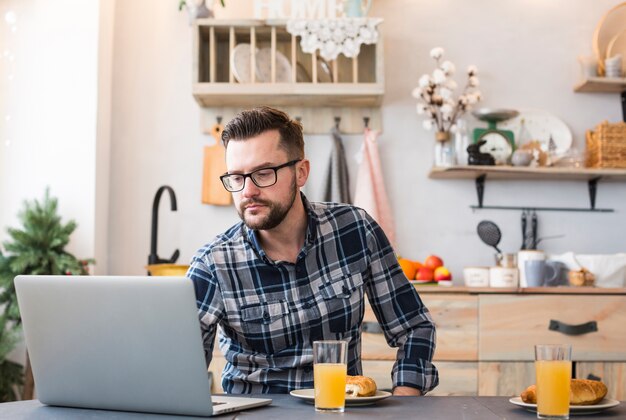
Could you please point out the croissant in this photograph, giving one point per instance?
(360, 386)
(583, 392)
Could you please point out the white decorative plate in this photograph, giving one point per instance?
(605, 404)
(541, 125)
(240, 63)
(309, 396)
(264, 66)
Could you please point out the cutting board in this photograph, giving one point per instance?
(213, 191)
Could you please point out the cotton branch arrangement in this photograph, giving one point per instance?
(435, 94)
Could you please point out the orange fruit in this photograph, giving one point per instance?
(407, 267)
(417, 265)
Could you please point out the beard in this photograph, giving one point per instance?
(277, 211)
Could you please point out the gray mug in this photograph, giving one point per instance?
(538, 273)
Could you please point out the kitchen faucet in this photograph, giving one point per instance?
(153, 258)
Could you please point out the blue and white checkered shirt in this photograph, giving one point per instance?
(270, 312)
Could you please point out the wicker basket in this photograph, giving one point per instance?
(606, 146)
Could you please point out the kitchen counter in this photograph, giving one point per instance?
(523, 290)
(287, 407)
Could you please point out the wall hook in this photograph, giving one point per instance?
(366, 122)
(219, 119)
(299, 119)
(337, 121)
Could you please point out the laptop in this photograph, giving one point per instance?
(119, 343)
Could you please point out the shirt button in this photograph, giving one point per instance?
(266, 315)
(345, 290)
(308, 369)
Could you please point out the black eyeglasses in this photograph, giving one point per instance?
(262, 178)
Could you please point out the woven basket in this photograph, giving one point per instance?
(606, 146)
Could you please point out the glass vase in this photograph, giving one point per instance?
(444, 150)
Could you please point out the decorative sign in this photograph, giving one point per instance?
(298, 9)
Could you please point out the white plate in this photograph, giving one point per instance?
(541, 125)
(309, 395)
(264, 66)
(605, 404)
(240, 63)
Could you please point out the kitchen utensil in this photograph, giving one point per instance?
(549, 237)
(610, 24)
(489, 233)
(541, 125)
(499, 143)
(534, 221)
(524, 222)
(213, 192)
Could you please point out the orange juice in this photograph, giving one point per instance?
(553, 387)
(330, 385)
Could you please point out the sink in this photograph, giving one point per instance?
(167, 269)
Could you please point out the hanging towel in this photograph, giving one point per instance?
(370, 192)
(337, 180)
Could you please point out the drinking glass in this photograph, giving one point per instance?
(330, 366)
(553, 366)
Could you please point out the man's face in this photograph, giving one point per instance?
(263, 208)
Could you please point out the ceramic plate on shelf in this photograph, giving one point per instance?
(240, 63)
(264, 66)
(541, 125)
(610, 25)
(309, 396)
(605, 404)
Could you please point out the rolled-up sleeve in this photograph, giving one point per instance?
(405, 320)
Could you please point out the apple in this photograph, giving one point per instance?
(442, 273)
(424, 273)
(433, 261)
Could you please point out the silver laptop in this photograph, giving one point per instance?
(119, 343)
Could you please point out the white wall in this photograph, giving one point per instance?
(52, 102)
(525, 49)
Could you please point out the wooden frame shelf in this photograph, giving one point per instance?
(601, 85)
(343, 82)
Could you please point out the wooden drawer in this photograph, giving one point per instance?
(456, 319)
(510, 325)
(505, 378)
(454, 378)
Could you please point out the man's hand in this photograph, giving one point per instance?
(406, 391)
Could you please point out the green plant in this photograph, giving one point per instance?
(36, 248)
(183, 3)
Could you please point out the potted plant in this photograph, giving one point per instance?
(38, 247)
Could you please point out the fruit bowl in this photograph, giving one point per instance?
(176, 270)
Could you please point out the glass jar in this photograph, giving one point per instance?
(444, 150)
(461, 142)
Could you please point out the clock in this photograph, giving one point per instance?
(498, 143)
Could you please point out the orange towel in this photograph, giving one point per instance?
(370, 193)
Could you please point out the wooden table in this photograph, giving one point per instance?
(287, 407)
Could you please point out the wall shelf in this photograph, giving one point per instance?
(344, 82)
(481, 173)
(605, 85)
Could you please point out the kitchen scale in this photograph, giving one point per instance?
(498, 143)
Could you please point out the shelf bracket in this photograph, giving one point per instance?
(624, 105)
(593, 188)
(480, 189)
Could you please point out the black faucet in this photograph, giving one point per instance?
(153, 258)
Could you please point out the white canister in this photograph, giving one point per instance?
(522, 257)
(476, 276)
(503, 276)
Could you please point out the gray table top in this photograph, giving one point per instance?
(288, 407)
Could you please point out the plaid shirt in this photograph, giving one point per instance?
(270, 312)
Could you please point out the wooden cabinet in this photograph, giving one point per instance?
(485, 337)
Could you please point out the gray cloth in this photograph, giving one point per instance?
(337, 179)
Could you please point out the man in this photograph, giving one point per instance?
(293, 272)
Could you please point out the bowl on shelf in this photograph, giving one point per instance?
(167, 269)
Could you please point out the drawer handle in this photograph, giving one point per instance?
(568, 329)
(372, 328)
(593, 377)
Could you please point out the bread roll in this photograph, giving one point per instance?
(360, 386)
(582, 392)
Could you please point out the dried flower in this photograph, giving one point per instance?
(435, 94)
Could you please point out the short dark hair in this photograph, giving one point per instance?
(252, 122)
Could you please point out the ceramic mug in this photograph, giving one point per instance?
(522, 257)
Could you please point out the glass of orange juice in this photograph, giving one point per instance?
(330, 366)
(553, 366)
